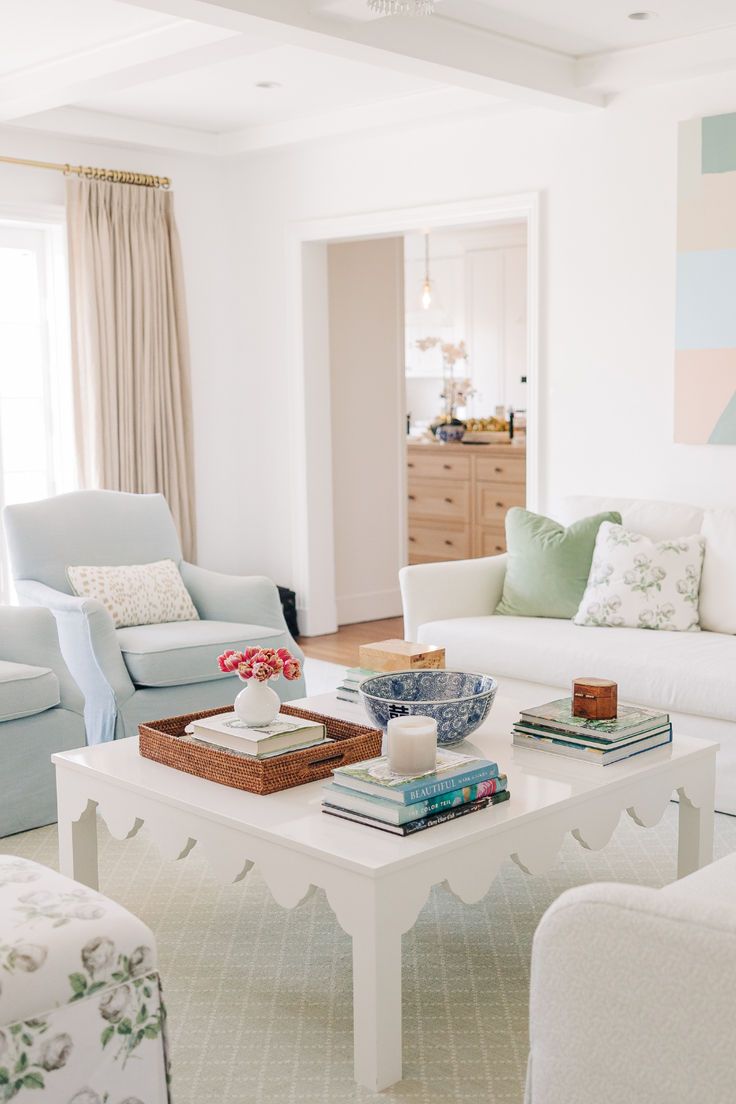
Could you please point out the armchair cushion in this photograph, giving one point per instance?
(136, 594)
(25, 690)
(180, 652)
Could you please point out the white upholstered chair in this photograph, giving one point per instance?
(632, 994)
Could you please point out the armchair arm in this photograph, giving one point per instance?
(455, 588)
(248, 598)
(632, 998)
(30, 636)
(91, 650)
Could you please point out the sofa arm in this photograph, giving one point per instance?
(455, 588)
(250, 599)
(632, 999)
(91, 650)
(30, 636)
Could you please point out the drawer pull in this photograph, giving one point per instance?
(447, 467)
(496, 470)
(499, 548)
(449, 500)
(499, 505)
(448, 542)
(412, 539)
(410, 465)
(412, 498)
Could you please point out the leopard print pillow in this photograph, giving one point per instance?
(141, 594)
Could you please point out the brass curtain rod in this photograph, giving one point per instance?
(113, 176)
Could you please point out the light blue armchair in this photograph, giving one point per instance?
(41, 712)
(144, 672)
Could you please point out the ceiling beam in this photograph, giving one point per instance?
(677, 59)
(165, 51)
(436, 48)
(119, 130)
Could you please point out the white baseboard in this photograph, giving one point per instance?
(352, 608)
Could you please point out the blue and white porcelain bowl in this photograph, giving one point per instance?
(459, 701)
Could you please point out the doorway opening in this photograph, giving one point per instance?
(380, 376)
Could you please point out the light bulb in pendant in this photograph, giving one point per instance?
(426, 295)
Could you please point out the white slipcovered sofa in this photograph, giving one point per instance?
(632, 994)
(690, 674)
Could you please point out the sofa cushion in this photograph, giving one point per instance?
(548, 565)
(656, 520)
(641, 583)
(25, 690)
(179, 652)
(718, 584)
(679, 672)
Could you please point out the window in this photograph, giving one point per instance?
(36, 441)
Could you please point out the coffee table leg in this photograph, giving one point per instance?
(377, 998)
(77, 841)
(695, 840)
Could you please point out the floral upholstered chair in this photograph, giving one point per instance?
(82, 1020)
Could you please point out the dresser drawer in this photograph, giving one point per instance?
(433, 465)
(503, 469)
(492, 500)
(443, 500)
(427, 543)
(490, 542)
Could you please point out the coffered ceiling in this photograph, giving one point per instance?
(224, 77)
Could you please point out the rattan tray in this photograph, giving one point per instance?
(161, 741)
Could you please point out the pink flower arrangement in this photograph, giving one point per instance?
(260, 664)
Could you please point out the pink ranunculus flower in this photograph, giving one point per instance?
(292, 669)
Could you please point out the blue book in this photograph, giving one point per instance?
(337, 797)
(452, 772)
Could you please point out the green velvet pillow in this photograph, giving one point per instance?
(548, 565)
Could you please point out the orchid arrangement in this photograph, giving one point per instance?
(260, 664)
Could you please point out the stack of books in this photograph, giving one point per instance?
(226, 733)
(352, 681)
(368, 793)
(554, 728)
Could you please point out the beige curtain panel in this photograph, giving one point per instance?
(130, 345)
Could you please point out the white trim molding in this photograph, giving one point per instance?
(307, 320)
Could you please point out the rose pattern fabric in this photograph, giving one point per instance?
(638, 583)
(76, 1049)
(138, 594)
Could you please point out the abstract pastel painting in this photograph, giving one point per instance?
(705, 358)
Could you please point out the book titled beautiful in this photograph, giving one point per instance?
(441, 817)
(392, 813)
(632, 720)
(452, 772)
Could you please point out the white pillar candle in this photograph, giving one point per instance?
(412, 745)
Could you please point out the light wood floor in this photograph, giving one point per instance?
(342, 647)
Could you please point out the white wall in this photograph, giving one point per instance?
(608, 184)
(202, 210)
(366, 285)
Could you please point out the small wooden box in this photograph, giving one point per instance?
(400, 655)
(595, 699)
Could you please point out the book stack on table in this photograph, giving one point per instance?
(368, 793)
(226, 733)
(554, 728)
(353, 679)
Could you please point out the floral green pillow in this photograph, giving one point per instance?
(639, 583)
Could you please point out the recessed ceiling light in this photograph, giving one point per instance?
(641, 16)
(267, 84)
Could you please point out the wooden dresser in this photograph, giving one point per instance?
(458, 498)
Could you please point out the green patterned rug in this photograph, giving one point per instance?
(260, 999)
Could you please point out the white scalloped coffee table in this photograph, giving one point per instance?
(377, 883)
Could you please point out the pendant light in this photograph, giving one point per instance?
(427, 284)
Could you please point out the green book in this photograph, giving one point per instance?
(557, 717)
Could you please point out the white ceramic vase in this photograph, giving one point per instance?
(257, 704)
